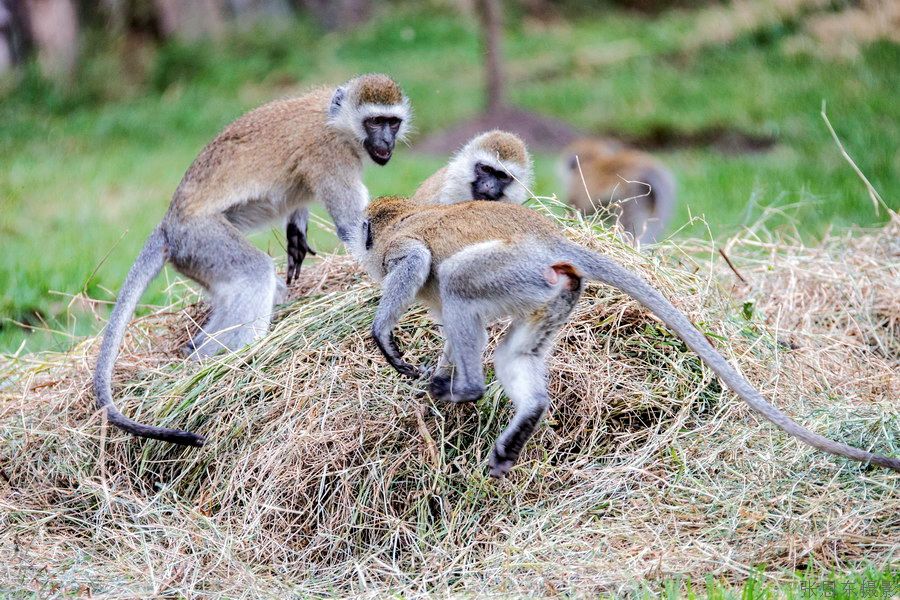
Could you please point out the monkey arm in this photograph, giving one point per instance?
(408, 268)
(345, 200)
(297, 242)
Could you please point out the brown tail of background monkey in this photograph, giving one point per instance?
(147, 266)
(600, 268)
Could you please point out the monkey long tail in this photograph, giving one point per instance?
(607, 271)
(147, 266)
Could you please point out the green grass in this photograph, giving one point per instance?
(87, 171)
(870, 583)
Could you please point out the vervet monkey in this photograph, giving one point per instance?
(627, 186)
(271, 161)
(474, 262)
(492, 166)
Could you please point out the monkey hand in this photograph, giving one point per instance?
(410, 370)
(297, 249)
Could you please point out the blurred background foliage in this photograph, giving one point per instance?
(103, 105)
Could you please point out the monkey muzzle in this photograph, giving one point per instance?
(381, 135)
(379, 151)
(489, 184)
(483, 189)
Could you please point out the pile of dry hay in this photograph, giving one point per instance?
(327, 473)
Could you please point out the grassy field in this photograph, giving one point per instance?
(88, 170)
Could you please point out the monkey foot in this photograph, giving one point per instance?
(441, 388)
(500, 464)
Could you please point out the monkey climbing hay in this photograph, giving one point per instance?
(326, 473)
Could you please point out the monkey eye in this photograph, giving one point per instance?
(573, 163)
(381, 121)
(483, 169)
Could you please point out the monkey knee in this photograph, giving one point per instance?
(523, 376)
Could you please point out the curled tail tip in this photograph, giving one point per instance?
(195, 440)
(181, 438)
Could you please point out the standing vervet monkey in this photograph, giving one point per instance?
(271, 161)
(627, 186)
(478, 261)
(492, 166)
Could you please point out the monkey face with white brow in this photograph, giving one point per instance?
(492, 166)
(377, 115)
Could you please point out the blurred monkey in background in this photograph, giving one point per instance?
(626, 186)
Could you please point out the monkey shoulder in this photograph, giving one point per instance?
(431, 187)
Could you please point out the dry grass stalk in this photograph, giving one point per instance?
(326, 473)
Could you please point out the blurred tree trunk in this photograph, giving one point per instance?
(53, 25)
(538, 131)
(7, 41)
(489, 13)
(339, 14)
(190, 19)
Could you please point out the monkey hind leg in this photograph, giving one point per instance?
(239, 279)
(459, 376)
(241, 313)
(520, 363)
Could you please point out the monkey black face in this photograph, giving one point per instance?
(490, 183)
(381, 134)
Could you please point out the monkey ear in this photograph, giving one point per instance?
(336, 101)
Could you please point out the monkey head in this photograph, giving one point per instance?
(492, 166)
(586, 149)
(374, 111)
(590, 170)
